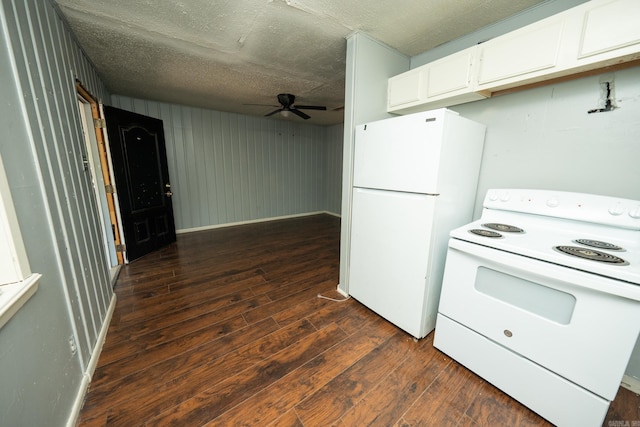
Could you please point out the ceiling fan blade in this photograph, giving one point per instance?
(263, 105)
(310, 107)
(300, 114)
(273, 112)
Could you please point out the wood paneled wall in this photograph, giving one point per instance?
(230, 168)
(334, 139)
(48, 344)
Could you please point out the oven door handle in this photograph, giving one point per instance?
(549, 271)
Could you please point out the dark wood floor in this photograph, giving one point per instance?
(225, 327)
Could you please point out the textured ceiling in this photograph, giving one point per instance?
(224, 54)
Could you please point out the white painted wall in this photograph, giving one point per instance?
(544, 138)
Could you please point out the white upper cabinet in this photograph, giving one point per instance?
(532, 51)
(437, 84)
(452, 75)
(610, 31)
(591, 36)
(594, 35)
(405, 89)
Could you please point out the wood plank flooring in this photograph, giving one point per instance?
(225, 327)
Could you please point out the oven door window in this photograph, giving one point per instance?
(549, 303)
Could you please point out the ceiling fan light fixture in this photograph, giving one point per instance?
(288, 109)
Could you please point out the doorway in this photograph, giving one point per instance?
(96, 162)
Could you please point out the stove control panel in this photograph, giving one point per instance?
(623, 213)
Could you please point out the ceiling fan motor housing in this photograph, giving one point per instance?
(287, 100)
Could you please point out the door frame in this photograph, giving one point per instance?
(97, 123)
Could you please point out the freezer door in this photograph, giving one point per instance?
(401, 153)
(390, 245)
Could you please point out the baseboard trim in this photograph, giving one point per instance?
(113, 275)
(337, 215)
(341, 292)
(252, 221)
(631, 383)
(91, 367)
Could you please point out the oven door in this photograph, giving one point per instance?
(544, 312)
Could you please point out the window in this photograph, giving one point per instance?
(17, 283)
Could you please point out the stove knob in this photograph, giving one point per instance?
(553, 202)
(635, 212)
(617, 209)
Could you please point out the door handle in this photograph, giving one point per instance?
(168, 194)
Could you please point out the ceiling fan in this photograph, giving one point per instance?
(287, 102)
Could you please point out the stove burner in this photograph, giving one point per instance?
(599, 245)
(590, 254)
(485, 233)
(503, 227)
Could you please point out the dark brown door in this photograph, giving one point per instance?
(142, 181)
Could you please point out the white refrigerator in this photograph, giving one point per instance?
(414, 180)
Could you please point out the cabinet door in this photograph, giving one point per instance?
(451, 75)
(441, 83)
(405, 88)
(610, 26)
(521, 54)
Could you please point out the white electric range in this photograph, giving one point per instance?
(541, 297)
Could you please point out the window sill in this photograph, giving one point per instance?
(14, 295)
